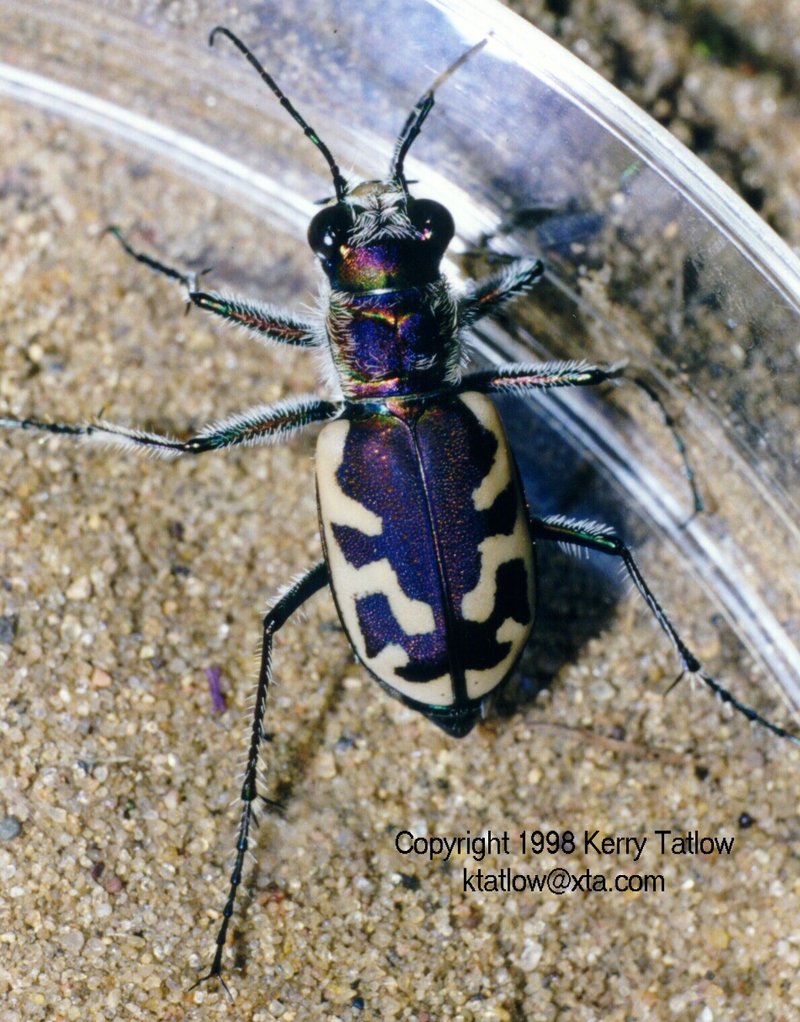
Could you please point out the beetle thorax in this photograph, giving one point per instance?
(391, 320)
(394, 342)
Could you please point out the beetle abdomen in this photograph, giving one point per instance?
(427, 541)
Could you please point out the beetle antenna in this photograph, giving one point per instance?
(417, 117)
(339, 182)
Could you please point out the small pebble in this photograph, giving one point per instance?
(10, 827)
(100, 678)
(8, 628)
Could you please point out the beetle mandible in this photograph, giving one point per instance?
(427, 537)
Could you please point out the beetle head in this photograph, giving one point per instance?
(378, 237)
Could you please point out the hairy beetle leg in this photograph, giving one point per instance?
(294, 597)
(516, 378)
(493, 292)
(570, 533)
(260, 425)
(261, 319)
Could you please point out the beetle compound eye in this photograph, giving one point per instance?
(328, 230)
(432, 220)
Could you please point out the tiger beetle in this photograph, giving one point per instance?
(427, 537)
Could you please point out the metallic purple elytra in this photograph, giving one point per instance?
(429, 551)
(429, 543)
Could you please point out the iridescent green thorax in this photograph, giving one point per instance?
(394, 264)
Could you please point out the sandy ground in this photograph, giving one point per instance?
(124, 579)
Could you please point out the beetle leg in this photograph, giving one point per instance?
(520, 377)
(570, 533)
(267, 323)
(680, 444)
(291, 600)
(260, 425)
(489, 294)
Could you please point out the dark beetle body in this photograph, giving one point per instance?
(424, 523)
